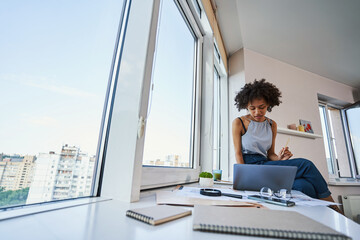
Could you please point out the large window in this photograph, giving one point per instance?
(54, 68)
(171, 146)
(169, 136)
(341, 136)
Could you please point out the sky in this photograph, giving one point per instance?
(55, 59)
(168, 128)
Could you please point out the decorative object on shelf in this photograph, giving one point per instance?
(307, 126)
(206, 179)
(300, 128)
(292, 126)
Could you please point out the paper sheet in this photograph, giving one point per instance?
(195, 193)
(190, 196)
(299, 198)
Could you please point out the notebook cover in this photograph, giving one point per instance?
(261, 222)
(158, 214)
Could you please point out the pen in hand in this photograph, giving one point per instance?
(283, 151)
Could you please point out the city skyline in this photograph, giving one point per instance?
(57, 175)
(48, 176)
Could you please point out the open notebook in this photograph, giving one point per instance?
(155, 215)
(261, 223)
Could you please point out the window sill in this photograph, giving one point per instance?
(344, 182)
(14, 212)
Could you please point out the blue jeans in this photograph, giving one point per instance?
(308, 179)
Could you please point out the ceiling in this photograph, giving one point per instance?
(321, 36)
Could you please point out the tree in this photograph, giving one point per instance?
(11, 198)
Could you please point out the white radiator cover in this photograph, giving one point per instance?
(351, 204)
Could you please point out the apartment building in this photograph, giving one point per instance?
(67, 174)
(16, 171)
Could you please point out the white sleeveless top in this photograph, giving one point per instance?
(257, 138)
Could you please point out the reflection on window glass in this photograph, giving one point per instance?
(326, 139)
(54, 66)
(339, 142)
(217, 54)
(216, 121)
(353, 116)
(168, 136)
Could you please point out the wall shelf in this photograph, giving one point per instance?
(298, 133)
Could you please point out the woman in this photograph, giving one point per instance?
(254, 139)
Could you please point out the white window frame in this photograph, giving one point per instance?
(223, 111)
(329, 137)
(344, 126)
(216, 130)
(121, 170)
(354, 172)
(224, 163)
(109, 102)
(153, 177)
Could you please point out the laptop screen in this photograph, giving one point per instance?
(253, 177)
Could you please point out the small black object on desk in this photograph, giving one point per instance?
(216, 193)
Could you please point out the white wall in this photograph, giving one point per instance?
(299, 96)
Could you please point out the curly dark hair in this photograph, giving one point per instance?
(257, 90)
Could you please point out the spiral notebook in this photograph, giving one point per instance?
(158, 214)
(261, 223)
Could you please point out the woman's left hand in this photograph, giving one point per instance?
(285, 154)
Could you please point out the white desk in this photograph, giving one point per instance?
(107, 220)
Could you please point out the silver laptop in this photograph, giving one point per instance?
(253, 177)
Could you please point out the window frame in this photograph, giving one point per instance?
(155, 176)
(329, 137)
(216, 130)
(109, 102)
(224, 163)
(349, 150)
(354, 171)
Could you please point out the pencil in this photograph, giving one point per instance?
(286, 145)
(287, 142)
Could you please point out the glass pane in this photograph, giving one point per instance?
(197, 7)
(54, 67)
(353, 116)
(168, 136)
(216, 121)
(339, 143)
(326, 137)
(216, 53)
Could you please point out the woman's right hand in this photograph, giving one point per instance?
(285, 154)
